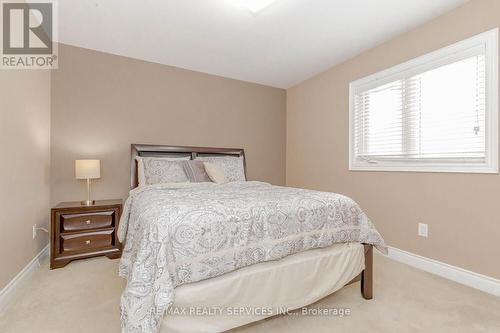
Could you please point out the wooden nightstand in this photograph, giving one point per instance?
(79, 232)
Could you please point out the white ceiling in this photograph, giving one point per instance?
(282, 45)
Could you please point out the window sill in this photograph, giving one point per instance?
(481, 169)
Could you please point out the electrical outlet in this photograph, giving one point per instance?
(34, 231)
(423, 230)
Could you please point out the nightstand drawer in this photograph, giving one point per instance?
(85, 221)
(87, 241)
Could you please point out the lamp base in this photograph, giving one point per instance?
(87, 202)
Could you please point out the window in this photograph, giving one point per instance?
(436, 113)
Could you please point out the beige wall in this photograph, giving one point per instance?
(462, 210)
(102, 103)
(24, 171)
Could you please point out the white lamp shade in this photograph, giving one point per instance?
(87, 169)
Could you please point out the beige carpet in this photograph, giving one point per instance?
(84, 297)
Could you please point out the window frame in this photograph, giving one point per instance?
(441, 57)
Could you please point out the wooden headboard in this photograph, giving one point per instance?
(146, 150)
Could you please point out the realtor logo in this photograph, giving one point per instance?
(27, 35)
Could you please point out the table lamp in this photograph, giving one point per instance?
(88, 169)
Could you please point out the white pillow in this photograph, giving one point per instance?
(215, 173)
(232, 166)
(156, 170)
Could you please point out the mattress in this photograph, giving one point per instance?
(176, 235)
(263, 290)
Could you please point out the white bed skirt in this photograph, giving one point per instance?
(261, 290)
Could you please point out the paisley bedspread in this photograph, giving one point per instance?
(178, 234)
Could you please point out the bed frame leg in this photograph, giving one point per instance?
(367, 274)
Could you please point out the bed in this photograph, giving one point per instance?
(206, 257)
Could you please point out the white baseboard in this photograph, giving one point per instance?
(6, 293)
(478, 281)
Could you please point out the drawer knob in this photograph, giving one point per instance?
(88, 222)
(87, 242)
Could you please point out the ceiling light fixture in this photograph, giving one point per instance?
(255, 6)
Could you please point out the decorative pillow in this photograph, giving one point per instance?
(232, 166)
(195, 171)
(215, 173)
(156, 170)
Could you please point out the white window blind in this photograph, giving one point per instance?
(435, 113)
